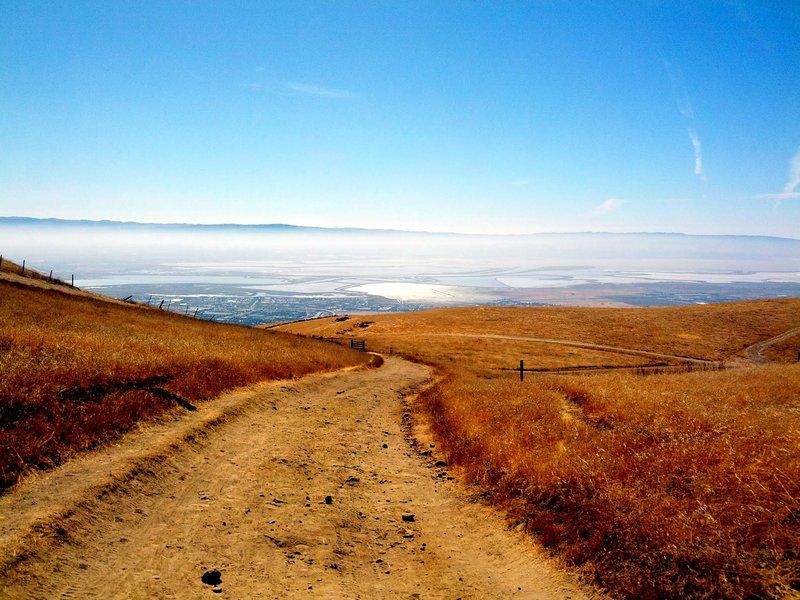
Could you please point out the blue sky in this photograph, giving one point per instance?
(450, 116)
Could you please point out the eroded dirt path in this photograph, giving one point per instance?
(753, 352)
(290, 490)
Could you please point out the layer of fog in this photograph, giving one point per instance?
(299, 260)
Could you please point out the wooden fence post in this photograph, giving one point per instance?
(23, 267)
(160, 305)
(50, 277)
(521, 370)
(73, 281)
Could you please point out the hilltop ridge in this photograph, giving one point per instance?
(17, 221)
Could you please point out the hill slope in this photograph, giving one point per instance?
(76, 368)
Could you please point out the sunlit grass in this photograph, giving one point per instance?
(490, 357)
(711, 331)
(74, 370)
(787, 350)
(656, 486)
(659, 486)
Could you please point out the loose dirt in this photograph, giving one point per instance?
(310, 488)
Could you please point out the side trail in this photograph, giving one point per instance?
(308, 489)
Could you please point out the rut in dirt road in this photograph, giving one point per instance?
(308, 489)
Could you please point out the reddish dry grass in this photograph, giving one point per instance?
(7, 266)
(668, 486)
(711, 331)
(76, 370)
(655, 487)
(786, 351)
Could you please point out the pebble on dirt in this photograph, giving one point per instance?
(408, 517)
(211, 577)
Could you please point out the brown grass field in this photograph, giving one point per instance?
(7, 266)
(785, 351)
(659, 486)
(712, 331)
(76, 370)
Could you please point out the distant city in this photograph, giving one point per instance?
(275, 273)
(249, 307)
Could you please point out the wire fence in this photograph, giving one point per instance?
(648, 369)
(25, 270)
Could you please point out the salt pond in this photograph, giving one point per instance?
(271, 273)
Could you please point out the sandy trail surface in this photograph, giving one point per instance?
(311, 488)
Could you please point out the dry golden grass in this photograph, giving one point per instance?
(662, 486)
(13, 268)
(490, 357)
(75, 370)
(667, 486)
(712, 331)
(786, 351)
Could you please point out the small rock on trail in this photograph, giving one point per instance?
(211, 577)
(398, 533)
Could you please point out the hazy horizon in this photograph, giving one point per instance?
(17, 220)
(292, 272)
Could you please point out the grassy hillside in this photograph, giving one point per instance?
(712, 331)
(8, 266)
(76, 369)
(659, 486)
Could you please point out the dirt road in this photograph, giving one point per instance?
(753, 352)
(303, 489)
(586, 345)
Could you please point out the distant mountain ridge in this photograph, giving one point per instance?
(16, 221)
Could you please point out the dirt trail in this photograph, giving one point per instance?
(292, 489)
(753, 352)
(586, 345)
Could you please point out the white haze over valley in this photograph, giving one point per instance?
(321, 271)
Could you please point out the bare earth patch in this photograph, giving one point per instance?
(309, 488)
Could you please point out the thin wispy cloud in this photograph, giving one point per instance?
(790, 190)
(606, 206)
(794, 175)
(681, 94)
(698, 152)
(318, 91)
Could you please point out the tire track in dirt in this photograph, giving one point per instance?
(307, 488)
